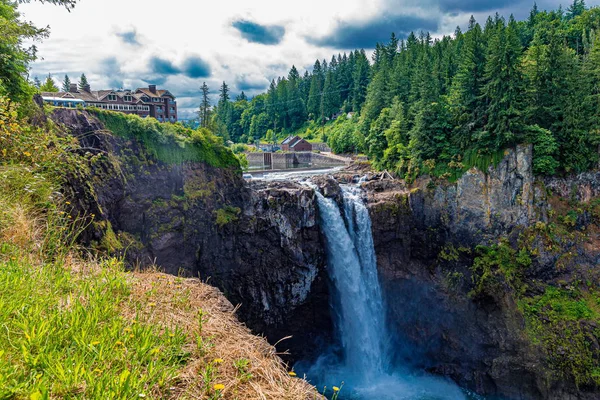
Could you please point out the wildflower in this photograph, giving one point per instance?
(67, 202)
(336, 389)
(27, 154)
(155, 351)
(141, 395)
(218, 360)
(127, 330)
(131, 336)
(171, 335)
(151, 304)
(292, 373)
(98, 371)
(95, 342)
(119, 343)
(219, 386)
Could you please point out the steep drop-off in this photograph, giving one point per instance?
(489, 280)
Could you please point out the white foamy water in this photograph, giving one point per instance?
(365, 360)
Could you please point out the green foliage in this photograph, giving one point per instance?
(170, 143)
(545, 149)
(558, 320)
(49, 85)
(345, 137)
(227, 215)
(465, 99)
(499, 264)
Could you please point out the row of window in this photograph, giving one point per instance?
(162, 119)
(120, 107)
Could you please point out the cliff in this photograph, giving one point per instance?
(488, 280)
(260, 246)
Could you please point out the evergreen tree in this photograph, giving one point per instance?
(316, 91)
(464, 99)
(576, 9)
(224, 93)
(36, 82)
(49, 85)
(503, 90)
(241, 97)
(331, 97)
(360, 77)
(204, 114)
(66, 85)
(83, 83)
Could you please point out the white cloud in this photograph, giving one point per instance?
(84, 39)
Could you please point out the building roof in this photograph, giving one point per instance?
(289, 139)
(100, 95)
(297, 141)
(159, 93)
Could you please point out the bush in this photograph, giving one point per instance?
(170, 143)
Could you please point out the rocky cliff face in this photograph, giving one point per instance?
(426, 238)
(449, 312)
(260, 245)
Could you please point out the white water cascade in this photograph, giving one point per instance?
(357, 302)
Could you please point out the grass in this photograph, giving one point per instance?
(64, 332)
(81, 327)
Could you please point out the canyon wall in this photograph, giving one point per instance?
(449, 312)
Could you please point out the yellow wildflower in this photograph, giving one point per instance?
(98, 371)
(27, 154)
(119, 343)
(218, 360)
(151, 304)
(67, 202)
(292, 373)
(127, 330)
(155, 351)
(219, 386)
(95, 342)
(171, 335)
(336, 389)
(131, 336)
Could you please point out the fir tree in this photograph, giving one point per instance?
(503, 90)
(49, 85)
(83, 83)
(66, 85)
(204, 113)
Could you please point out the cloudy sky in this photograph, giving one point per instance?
(178, 44)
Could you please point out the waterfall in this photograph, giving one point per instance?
(353, 270)
(358, 307)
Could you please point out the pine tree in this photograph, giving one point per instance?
(576, 9)
(316, 91)
(241, 97)
(83, 83)
(204, 113)
(503, 90)
(36, 82)
(224, 93)
(464, 98)
(330, 103)
(360, 77)
(49, 85)
(66, 85)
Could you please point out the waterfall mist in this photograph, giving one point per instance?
(362, 357)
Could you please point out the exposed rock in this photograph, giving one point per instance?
(261, 245)
(265, 253)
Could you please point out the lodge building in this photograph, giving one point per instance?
(145, 102)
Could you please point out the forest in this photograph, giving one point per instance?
(439, 106)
